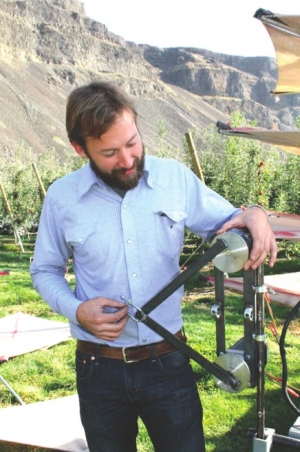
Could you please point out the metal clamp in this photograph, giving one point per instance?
(128, 302)
(216, 310)
(260, 289)
(249, 313)
(259, 337)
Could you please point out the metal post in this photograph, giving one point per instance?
(220, 311)
(12, 391)
(263, 439)
(261, 350)
(250, 320)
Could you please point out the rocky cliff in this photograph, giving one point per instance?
(48, 47)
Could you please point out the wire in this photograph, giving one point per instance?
(191, 255)
(279, 381)
(272, 325)
(291, 389)
(283, 357)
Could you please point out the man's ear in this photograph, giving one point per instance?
(79, 149)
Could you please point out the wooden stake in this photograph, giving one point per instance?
(16, 232)
(39, 179)
(194, 155)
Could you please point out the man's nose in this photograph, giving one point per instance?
(126, 159)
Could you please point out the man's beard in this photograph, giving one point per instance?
(117, 178)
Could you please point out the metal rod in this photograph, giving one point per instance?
(261, 351)
(250, 302)
(12, 391)
(177, 282)
(212, 368)
(220, 320)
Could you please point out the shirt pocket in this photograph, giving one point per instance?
(170, 231)
(77, 237)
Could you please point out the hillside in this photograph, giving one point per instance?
(48, 47)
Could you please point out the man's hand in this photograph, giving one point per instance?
(264, 242)
(104, 325)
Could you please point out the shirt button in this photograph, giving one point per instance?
(80, 240)
(134, 275)
(129, 241)
(124, 206)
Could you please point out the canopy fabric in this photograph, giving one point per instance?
(284, 31)
(286, 226)
(285, 287)
(288, 141)
(22, 333)
(54, 424)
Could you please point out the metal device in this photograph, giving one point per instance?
(246, 359)
(237, 366)
(239, 359)
(234, 257)
(242, 365)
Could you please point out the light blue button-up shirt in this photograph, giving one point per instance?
(122, 246)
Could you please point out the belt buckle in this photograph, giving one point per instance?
(125, 358)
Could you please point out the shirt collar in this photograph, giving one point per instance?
(87, 180)
(88, 177)
(147, 171)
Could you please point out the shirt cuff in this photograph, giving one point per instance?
(257, 205)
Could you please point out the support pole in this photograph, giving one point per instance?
(194, 155)
(220, 316)
(263, 439)
(250, 321)
(39, 179)
(16, 233)
(260, 339)
(11, 390)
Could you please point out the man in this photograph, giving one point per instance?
(122, 218)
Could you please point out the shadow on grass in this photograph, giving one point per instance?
(223, 437)
(228, 417)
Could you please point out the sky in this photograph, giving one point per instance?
(225, 26)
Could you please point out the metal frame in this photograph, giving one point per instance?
(12, 391)
(253, 349)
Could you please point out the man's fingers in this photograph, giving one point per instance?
(259, 254)
(273, 255)
(111, 330)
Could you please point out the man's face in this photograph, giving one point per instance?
(117, 157)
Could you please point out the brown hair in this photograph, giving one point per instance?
(92, 109)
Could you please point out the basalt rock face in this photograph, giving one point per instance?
(228, 83)
(49, 47)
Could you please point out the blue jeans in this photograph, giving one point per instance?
(162, 392)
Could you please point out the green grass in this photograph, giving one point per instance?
(45, 375)
(227, 416)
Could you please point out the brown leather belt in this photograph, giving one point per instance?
(128, 354)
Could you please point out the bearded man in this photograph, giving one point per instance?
(122, 218)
